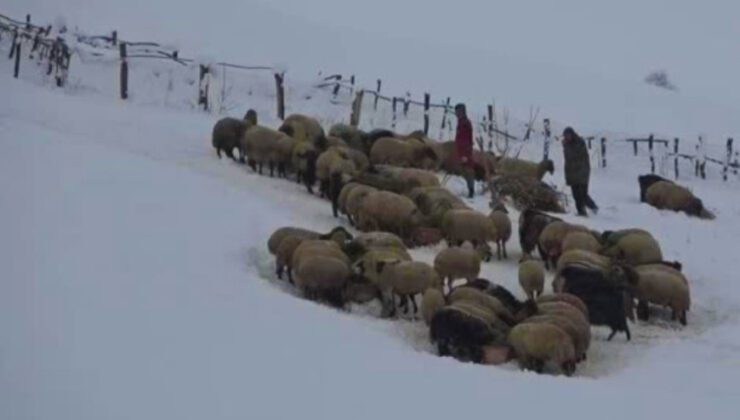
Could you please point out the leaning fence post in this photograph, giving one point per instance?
(426, 114)
(547, 133)
(603, 152)
(728, 159)
(377, 95)
(675, 156)
(354, 118)
(203, 84)
(17, 67)
(589, 140)
(652, 157)
(12, 45)
(124, 71)
(393, 121)
(280, 96)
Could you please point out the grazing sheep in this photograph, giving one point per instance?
(580, 240)
(521, 167)
(379, 240)
(432, 301)
(405, 279)
(333, 161)
(323, 278)
(481, 298)
(635, 249)
(288, 240)
(284, 255)
(354, 201)
(339, 235)
(259, 145)
(532, 278)
(283, 155)
(383, 210)
(457, 263)
(536, 344)
(304, 163)
(340, 204)
(550, 243)
(354, 137)
(226, 135)
(662, 285)
(567, 298)
(501, 220)
(359, 158)
(304, 128)
(670, 196)
(423, 177)
(461, 333)
(311, 248)
(459, 226)
(580, 258)
(579, 330)
(397, 152)
(501, 293)
(335, 142)
(527, 192)
(435, 202)
(531, 224)
(646, 181)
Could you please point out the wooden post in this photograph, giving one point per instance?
(203, 84)
(352, 85)
(393, 121)
(426, 114)
(377, 95)
(12, 45)
(114, 38)
(28, 22)
(634, 146)
(354, 119)
(588, 140)
(17, 67)
(336, 87)
(728, 159)
(406, 104)
(444, 115)
(675, 156)
(548, 136)
(279, 80)
(652, 158)
(124, 71)
(603, 152)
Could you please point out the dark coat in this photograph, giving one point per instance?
(464, 141)
(577, 165)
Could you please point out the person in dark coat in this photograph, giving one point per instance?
(577, 170)
(464, 147)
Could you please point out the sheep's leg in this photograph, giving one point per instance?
(351, 222)
(627, 331)
(259, 168)
(218, 152)
(506, 254)
(230, 153)
(413, 303)
(569, 368)
(290, 275)
(279, 270)
(272, 168)
(682, 318)
(499, 253)
(643, 310)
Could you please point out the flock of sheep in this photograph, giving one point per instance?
(387, 187)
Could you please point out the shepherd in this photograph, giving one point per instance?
(464, 147)
(578, 170)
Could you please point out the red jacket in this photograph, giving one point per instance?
(464, 141)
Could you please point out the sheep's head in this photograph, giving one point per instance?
(339, 235)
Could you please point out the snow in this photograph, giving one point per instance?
(135, 280)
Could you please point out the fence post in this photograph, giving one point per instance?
(17, 67)
(203, 84)
(489, 110)
(279, 81)
(634, 146)
(406, 104)
(12, 45)
(354, 118)
(675, 156)
(336, 86)
(28, 22)
(393, 121)
(114, 38)
(377, 95)
(426, 114)
(728, 160)
(652, 157)
(352, 85)
(700, 167)
(603, 152)
(124, 71)
(547, 133)
(589, 140)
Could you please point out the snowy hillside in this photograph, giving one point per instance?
(135, 280)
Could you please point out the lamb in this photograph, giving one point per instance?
(581, 240)
(662, 285)
(459, 226)
(323, 278)
(226, 135)
(397, 152)
(550, 243)
(383, 210)
(355, 138)
(646, 181)
(457, 263)
(304, 128)
(259, 145)
(520, 167)
(501, 220)
(635, 248)
(405, 279)
(670, 196)
(567, 298)
(535, 344)
(531, 224)
(481, 298)
(432, 301)
(532, 278)
(304, 163)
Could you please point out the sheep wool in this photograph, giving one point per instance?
(457, 263)
(532, 278)
(503, 231)
(432, 301)
(538, 343)
(460, 226)
(665, 286)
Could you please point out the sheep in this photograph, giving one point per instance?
(283, 154)
(304, 163)
(358, 157)
(536, 344)
(338, 234)
(323, 278)
(435, 202)
(532, 278)
(432, 301)
(662, 285)
(461, 333)
(550, 243)
(397, 152)
(527, 192)
(635, 248)
(405, 279)
(370, 240)
(581, 240)
(355, 198)
(567, 298)
(291, 241)
(259, 145)
(531, 224)
(383, 210)
(646, 181)
(670, 196)
(520, 167)
(457, 263)
(501, 293)
(311, 248)
(355, 138)
(332, 141)
(226, 135)
(483, 299)
(304, 128)
(500, 219)
(581, 258)
(459, 226)
(360, 290)
(578, 330)
(422, 177)
(333, 161)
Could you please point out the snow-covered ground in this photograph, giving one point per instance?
(135, 283)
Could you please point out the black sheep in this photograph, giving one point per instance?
(531, 224)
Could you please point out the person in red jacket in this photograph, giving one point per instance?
(464, 147)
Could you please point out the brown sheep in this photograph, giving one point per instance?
(581, 240)
(226, 135)
(304, 128)
(538, 343)
(460, 226)
(635, 249)
(397, 152)
(405, 279)
(662, 285)
(670, 196)
(532, 278)
(304, 163)
(551, 240)
(383, 210)
(521, 167)
(458, 263)
(323, 278)
(501, 220)
(259, 145)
